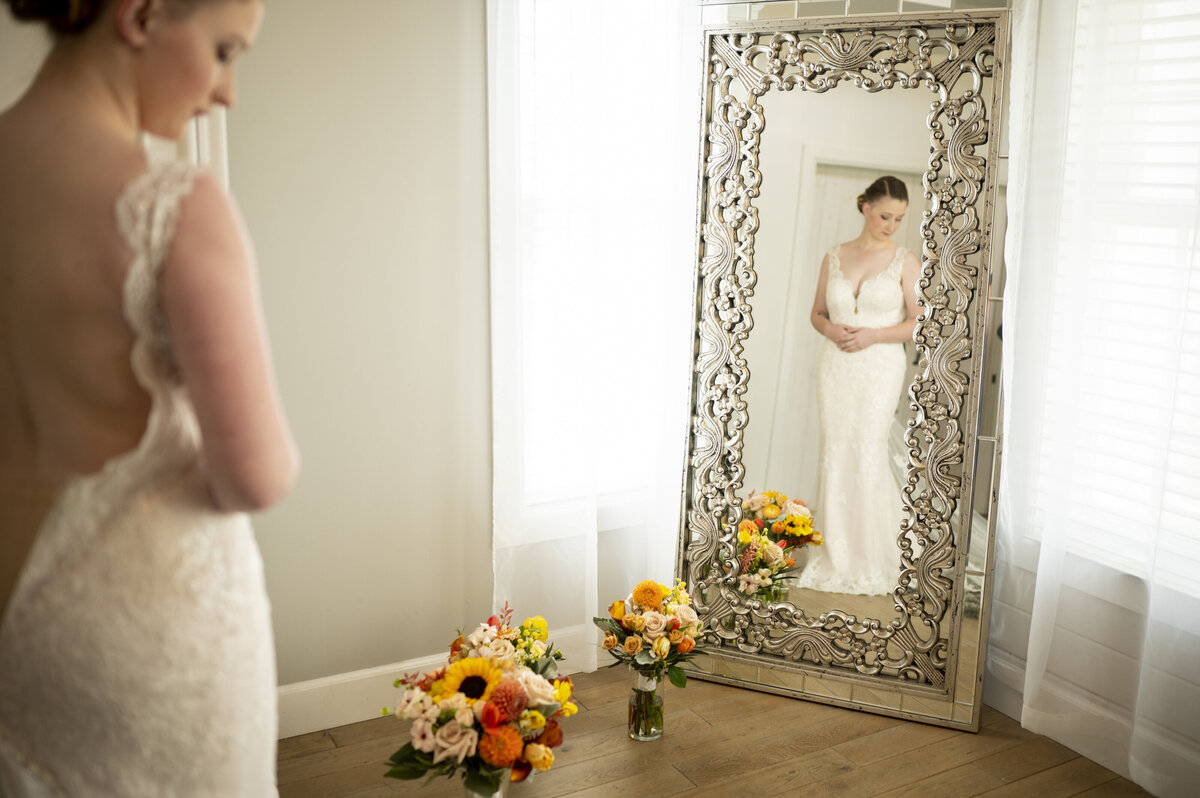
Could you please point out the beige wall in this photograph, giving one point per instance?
(358, 153)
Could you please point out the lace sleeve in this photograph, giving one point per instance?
(147, 214)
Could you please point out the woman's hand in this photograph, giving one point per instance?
(856, 339)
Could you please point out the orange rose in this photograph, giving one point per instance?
(685, 645)
(633, 644)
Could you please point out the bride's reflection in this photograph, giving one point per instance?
(865, 306)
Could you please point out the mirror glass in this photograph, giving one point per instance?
(840, 488)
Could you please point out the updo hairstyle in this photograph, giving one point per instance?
(62, 17)
(886, 186)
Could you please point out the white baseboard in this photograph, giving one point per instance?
(343, 698)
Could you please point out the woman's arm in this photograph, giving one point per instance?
(211, 300)
(819, 316)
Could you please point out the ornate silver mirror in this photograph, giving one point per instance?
(800, 117)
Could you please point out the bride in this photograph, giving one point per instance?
(138, 419)
(866, 308)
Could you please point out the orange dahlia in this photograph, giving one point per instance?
(500, 746)
(509, 698)
(649, 594)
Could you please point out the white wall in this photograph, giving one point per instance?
(358, 153)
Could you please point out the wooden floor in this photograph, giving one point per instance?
(724, 741)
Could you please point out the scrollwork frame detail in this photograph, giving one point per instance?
(949, 57)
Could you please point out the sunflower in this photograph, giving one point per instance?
(474, 677)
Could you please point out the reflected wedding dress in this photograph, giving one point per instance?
(136, 656)
(858, 506)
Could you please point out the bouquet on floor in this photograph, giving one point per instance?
(652, 631)
(491, 714)
(772, 530)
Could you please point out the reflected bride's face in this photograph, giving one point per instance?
(882, 217)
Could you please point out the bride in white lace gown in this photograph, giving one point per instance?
(865, 306)
(138, 421)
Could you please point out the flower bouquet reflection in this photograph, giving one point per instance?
(491, 714)
(773, 530)
(652, 631)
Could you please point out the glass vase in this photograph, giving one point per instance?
(500, 793)
(645, 708)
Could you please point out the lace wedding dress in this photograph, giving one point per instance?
(858, 506)
(136, 656)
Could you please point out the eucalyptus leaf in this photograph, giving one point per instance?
(644, 657)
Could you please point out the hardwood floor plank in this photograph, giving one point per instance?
(304, 744)
(1069, 778)
(1026, 759)
(895, 739)
(780, 778)
(963, 781)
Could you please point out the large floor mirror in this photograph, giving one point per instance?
(839, 509)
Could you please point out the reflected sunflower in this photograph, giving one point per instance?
(475, 678)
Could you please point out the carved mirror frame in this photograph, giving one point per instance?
(908, 666)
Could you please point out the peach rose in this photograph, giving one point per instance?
(635, 623)
(674, 636)
(656, 625)
(610, 641)
(453, 741)
(633, 644)
(687, 616)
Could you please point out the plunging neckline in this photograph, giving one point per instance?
(857, 291)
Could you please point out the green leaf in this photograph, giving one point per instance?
(480, 784)
(677, 676)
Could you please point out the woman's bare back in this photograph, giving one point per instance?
(68, 398)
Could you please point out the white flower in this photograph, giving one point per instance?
(481, 637)
(538, 689)
(412, 703)
(656, 625)
(793, 507)
(422, 735)
(452, 740)
(772, 554)
(755, 502)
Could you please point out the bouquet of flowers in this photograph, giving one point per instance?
(491, 713)
(652, 631)
(772, 529)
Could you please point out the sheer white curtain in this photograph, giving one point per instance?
(593, 134)
(1097, 622)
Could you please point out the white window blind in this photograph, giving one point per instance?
(1120, 444)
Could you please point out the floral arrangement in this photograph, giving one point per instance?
(652, 631)
(492, 712)
(773, 527)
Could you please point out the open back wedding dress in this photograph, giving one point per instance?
(858, 505)
(136, 656)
